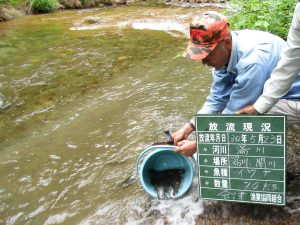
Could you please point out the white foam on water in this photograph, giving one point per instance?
(72, 146)
(182, 211)
(138, 24)
(74, 117)
(56, 127)
(158, 25)
(98, 145)
(58, 218)
(13, 219)
(45, 182)
(98, 215)
(89, 180)
(9, 161)
(141, 209)
(55, 157)
(37, 211)
(25, 179)
(32, 114)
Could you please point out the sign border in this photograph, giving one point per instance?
(251, 116)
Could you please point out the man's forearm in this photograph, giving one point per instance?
(188, 128)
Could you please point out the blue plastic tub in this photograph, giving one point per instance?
(162, 157)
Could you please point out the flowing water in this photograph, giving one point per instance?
(82, 94)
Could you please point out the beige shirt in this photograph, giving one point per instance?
(286, 71)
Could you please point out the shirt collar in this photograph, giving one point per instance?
(233, 56)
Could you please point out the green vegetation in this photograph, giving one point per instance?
(8, 2)
(15, 3)
(44, 6)
(268, 15)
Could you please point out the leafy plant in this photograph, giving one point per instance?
(267, 15)
(44, 6)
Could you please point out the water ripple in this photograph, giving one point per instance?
(33, 113)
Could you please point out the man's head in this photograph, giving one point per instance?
(209, 39)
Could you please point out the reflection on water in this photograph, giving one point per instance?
(77, 108)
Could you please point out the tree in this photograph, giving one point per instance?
(268, 15)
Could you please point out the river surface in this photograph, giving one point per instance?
(82, 94)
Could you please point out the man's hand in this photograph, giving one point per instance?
(249, 109)
(185, 147)
(182, 133)
(178, 136)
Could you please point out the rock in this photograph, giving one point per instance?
(8, 12)
(293, 151)
(70, 4)
(120, 2)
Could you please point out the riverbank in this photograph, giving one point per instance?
(9, 12)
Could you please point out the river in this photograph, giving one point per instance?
(82, 94)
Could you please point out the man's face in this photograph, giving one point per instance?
(219, 57)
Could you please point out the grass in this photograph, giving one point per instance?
(44, 6)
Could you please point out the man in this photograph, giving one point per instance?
(282, 77)
(242, 61)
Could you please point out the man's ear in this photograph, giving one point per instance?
(228, 43)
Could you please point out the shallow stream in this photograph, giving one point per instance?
(82, 94)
